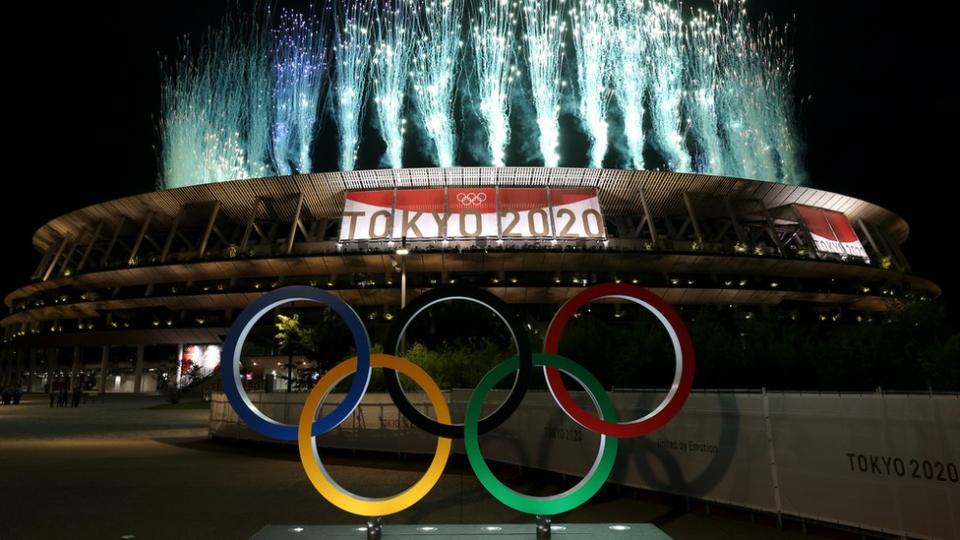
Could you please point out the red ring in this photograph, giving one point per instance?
(667, 409)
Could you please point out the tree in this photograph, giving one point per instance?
(293, 338)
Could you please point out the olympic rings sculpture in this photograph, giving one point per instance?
(309, 427)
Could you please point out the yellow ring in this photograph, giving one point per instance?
(327, 486)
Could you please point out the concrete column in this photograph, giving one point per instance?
(138, 370)
(104, 365)
(75, 367)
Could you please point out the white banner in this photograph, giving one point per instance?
(880, 462)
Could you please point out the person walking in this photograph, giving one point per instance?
(53, 396)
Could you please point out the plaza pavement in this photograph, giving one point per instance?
(119, 469)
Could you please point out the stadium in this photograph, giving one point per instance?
(340, 228)
(129, 293)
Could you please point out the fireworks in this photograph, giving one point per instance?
(389, 71)
(493, 30)
(352, 54)
(665, 51)
(438, 54)
(702, 80)
(300, 68)
(595, 41)
(544, 40)
(631, 81)
(711, 94)
(214, 114)
(754, 99)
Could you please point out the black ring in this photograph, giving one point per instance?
(520, 339)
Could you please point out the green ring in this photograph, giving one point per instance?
(554, 504)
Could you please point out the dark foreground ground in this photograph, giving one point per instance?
(119, 469)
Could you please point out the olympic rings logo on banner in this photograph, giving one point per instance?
(520, 366)
(472, 199)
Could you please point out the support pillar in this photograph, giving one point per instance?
(89, 250)
(52, 366)
(693, 217)
(136, 244)
(654, 237)
(6, 366)
(771, 226)
(178, 366)
(293, 226)
(902, 261)
(32, 368)
(732, 214)
(18, 367)
(174, 228)
(65, 265)
(4, 362)
(138, 370)
(75, 367)
(44, 261)
(113, 240)
(104, 367)
(250, 226)
(211, 221)
(56, 256)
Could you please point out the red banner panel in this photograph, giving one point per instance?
(831, 231)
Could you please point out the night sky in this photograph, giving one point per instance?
(82, 83)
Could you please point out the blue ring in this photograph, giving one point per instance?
(230, 361)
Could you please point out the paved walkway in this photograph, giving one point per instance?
(117, 468)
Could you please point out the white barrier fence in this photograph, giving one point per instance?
(887, 463)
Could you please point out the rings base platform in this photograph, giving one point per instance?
(512, 531)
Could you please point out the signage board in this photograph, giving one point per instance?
(472, 212)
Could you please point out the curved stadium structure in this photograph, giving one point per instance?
(125, 285)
